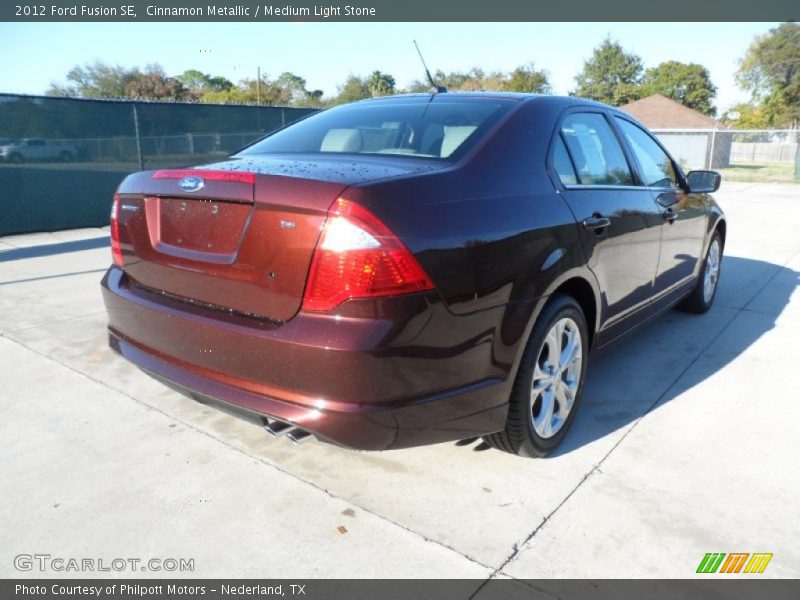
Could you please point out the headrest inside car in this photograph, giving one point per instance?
(341, 140)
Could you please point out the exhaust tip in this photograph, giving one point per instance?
(299, 436)
(276, 428)
(279, 428)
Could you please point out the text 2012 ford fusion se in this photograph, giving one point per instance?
(411, 269)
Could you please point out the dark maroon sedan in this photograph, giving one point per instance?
(411, 269)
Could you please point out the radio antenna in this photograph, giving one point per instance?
(440, 89)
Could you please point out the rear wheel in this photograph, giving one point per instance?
(702, 296)
(549, 384)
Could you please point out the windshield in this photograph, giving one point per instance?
(432, 128)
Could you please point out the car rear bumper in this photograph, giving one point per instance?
(410, 374)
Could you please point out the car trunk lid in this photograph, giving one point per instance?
(238, 243)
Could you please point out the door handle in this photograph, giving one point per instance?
(669, 216)
(595, 223)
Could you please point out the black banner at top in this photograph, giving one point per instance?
(397, 10)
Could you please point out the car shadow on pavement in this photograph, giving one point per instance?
(55, 248)
(655, 364)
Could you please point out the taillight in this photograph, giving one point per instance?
(358, 257)
(116, 248)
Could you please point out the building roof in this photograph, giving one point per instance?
(659, 112)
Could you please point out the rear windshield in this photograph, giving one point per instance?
(435, 128)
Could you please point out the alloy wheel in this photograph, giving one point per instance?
(711, 272)
(556, 376)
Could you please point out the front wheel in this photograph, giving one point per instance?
(702, 296)
(549, 384)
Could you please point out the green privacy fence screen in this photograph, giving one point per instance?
(62, 158)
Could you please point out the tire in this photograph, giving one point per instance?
(539, 383)
(66, 157)
(702, 296)
(15, 158)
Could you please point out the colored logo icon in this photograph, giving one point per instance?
(734, 562)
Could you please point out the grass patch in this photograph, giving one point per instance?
(762, 173)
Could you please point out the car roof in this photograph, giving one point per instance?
(543, 100)
(547, 99)
(464, 95)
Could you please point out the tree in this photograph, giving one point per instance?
(611, 75)
(380, 84)
(418, 87)
(194, 80)
(527, 78)
(690, 84)
(354, 88)
(287, 90)
(96, 80)
(269, 92)
(747, 116)
(294, 91)
(455, 81)
(248, 91)
(153, 84)
(100, 80)
(770, 71)
(314, 99)
(357, 88)
(234, 95)
(199, 82)
(218, 83)
(459, 81)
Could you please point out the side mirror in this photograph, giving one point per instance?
(703, 182)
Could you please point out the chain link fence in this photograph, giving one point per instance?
(759, 155)
(62, 158)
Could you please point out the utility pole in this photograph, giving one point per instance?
(711, 152)
(258, 86)
(138, 137)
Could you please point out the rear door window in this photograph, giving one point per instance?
(596, 154)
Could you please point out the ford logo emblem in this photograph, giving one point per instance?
(191, 184)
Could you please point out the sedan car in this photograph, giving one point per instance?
(411, 269)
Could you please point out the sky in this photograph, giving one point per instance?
(37, 54)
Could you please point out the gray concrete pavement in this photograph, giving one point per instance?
(685, 444)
